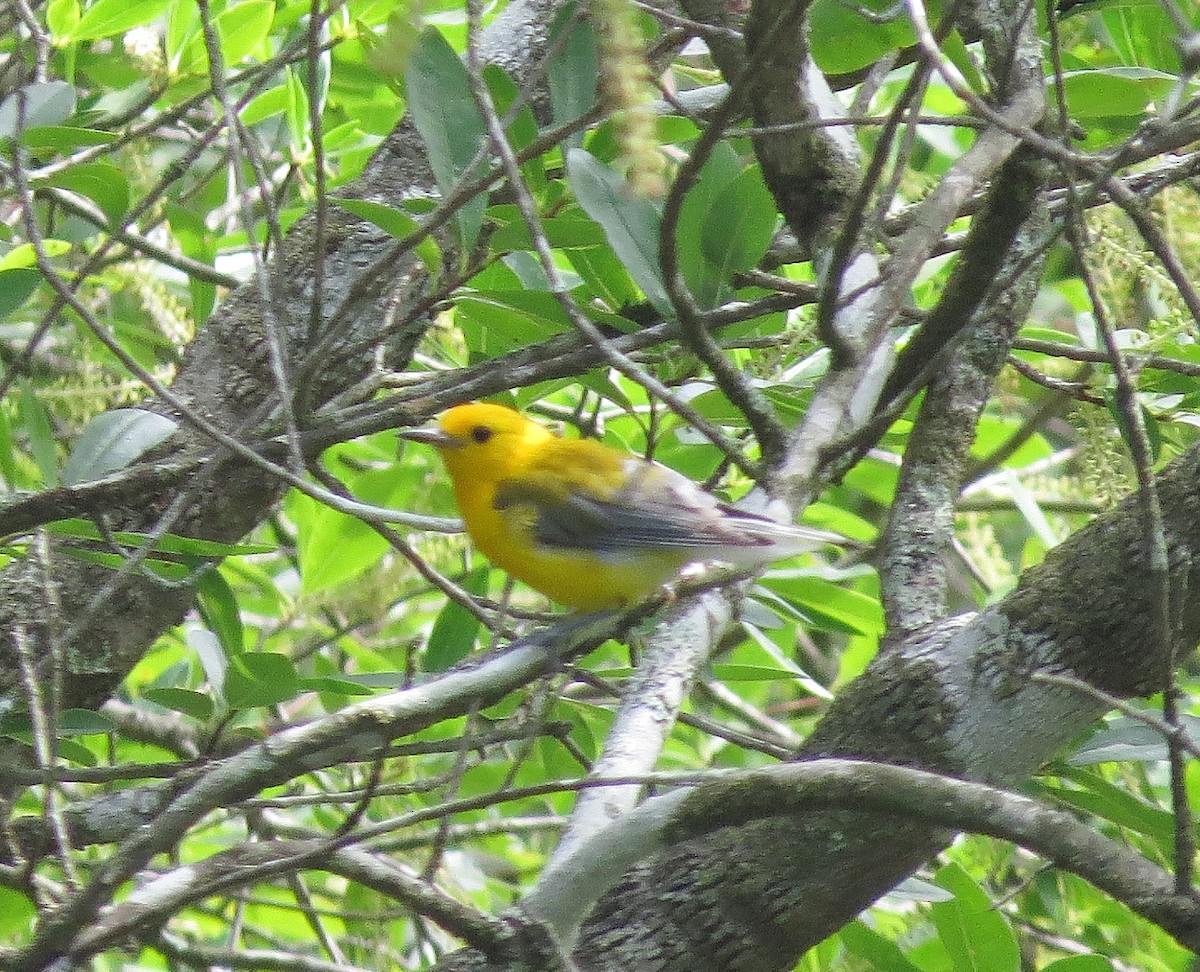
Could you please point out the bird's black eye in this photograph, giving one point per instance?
(481, 433)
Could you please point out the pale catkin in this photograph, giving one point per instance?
(626, 90)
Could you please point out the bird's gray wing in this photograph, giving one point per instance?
(656, 508)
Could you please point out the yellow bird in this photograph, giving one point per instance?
(590, 526)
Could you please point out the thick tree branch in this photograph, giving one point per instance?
(955, 697)
(737, 799)
(962, 346)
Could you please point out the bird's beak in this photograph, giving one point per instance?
(430, 435)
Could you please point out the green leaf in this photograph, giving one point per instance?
(241, 29)
(522, 127)
(101, 182)
(1142, 35)
(273, 101)
(335, 684)
(703, 279)
(444, 112)
(191, 703)
(740, 225)
(976, 935)
(82, 722)
(24, 255)
(16, 286)
(347, 137)
(630, 222)
(8, 458)
(605, 275)
(454, 631)
(766, 647)
(567, 230)
(46, 103)
(396, 223)
(363, 684)
(882, 953)
(389, 52)
(752, 673)
(826, 604)
(168, 569)
(219, 609)
(112, 441)
(333, 547)
(72, 751)
(170, 543)
(957, 52)
(843, 40)
(1080, 963)
(107, 17)
(299, 124)
(36, 422)
(498, 321)
(64, 138)
(17, 912)
(1124, 740)
(1112, 803)
(182, 23)
(260, 678)
(1112, 91)
(197, 242)
(71, 722)
(62, 17)
(573, 72)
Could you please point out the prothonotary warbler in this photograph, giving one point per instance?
(590, 526)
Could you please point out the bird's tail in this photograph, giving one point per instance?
(786, 538)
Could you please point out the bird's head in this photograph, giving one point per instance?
(481, 439)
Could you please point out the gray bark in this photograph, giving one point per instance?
(957, 696)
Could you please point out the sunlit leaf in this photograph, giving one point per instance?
(977, 936)
(260, 678)
(240, 29)
(107, 17)
(17, 912)
(62, 17)
(881, 952)
(24, 255)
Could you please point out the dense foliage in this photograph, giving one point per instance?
(155, 153)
